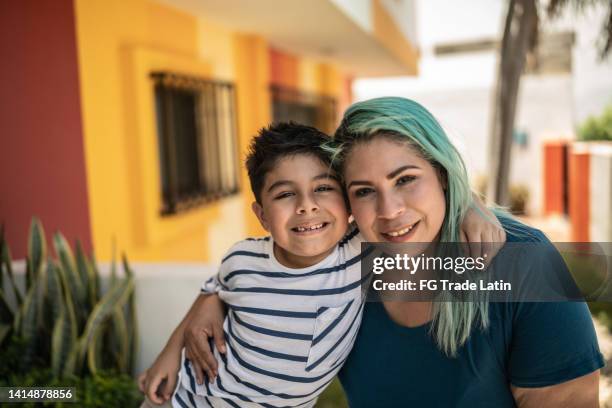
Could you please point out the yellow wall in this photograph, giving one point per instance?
(216, 44)
(390, 36)
(252, 68)
(119, 43)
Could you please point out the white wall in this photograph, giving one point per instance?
(403, 12)
(164, 293)
(360, 11)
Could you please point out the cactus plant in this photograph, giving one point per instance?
(65, 321)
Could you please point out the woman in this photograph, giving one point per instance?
(406, 182)
(452, 353)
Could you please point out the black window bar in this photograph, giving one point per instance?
(197, 140)
(303, 107)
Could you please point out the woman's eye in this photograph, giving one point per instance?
(362, 192)
(405, 179)
(284, 195)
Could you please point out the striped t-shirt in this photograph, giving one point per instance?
(288, 331)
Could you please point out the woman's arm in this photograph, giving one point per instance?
(205, 322)
(581, 392)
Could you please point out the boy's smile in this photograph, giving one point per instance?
(303, 208)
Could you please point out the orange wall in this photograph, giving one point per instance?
(554, 183)
(579, 195)
(283, 69)
(311, 76)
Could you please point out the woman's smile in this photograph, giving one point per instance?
(402, 234)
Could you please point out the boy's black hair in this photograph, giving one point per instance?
(277, 141)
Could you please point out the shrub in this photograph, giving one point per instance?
(597, 128)
(61, 328)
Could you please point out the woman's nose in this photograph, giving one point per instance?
(390, 206)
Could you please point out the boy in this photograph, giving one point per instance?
(294, 298)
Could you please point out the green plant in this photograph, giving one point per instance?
(61, 320)
(105, 389)
(597, 128)
(333, 396)
(519, 196)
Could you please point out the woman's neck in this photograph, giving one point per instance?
(409, 314)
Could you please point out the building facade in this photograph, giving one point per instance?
(125, 123)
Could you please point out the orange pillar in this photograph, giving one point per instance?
(554, 180)
(579, 195)
(283, 69)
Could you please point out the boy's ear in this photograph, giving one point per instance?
(259, 213)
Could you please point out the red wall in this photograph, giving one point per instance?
(42, 168)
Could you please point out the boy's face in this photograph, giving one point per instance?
(303, 208)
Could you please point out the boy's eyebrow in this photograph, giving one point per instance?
(326, 176)
(278, 184)
(317, 177)
(389, 176)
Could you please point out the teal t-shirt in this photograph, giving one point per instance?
(526, 345)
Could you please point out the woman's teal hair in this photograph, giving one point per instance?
(406, 121)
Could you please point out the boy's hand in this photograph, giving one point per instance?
(206, 321)
(159, 380)
(482, 230)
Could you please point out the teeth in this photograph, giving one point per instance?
(400, 232)
(311, 228)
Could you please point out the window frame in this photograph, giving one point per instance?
(215, 129)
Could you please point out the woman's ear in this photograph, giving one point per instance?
(259, 213)
(442, 177)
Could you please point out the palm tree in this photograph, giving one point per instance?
(520, 36)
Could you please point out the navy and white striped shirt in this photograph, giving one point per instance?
(288, 331)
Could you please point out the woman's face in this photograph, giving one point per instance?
(395, 194)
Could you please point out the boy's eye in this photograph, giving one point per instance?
(362, 192)
(405, 180)
(284, 194)
(324, 188)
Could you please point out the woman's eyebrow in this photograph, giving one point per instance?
(358, 183)
(400, 169)
(389, 176)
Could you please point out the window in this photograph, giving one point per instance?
(196, 123)
(308, 109)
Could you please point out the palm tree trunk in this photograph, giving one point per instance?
(519, 34)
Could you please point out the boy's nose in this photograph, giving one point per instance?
(307, 205)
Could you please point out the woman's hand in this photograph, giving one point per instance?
(482, 230)
(206, 321)
(159, 380)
